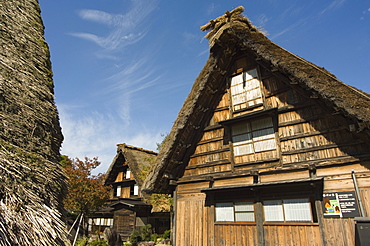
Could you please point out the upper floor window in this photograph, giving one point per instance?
(253, 136)
(118, 191)
(245, 90)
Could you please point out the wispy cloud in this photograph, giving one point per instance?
(296, 24)
(124, 29)
(332, 6)
(261, 21)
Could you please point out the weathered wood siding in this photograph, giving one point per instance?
(235, 234)
(339, 232)
(124, 222)
(292, 235)
(192, 216)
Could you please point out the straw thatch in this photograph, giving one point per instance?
(30, 190)
(32, 183)
(230, 35)
(139, 161)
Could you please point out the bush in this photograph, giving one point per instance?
(83, 241)
(167, 234)
(146, 232)
(135, 237)
(98, 242)
(154, 237)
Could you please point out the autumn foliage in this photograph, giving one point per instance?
(86, 192)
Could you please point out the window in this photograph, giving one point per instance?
(235, 211)
(136, 190)
(245, 90)
(254, 136)
(128, 173)
(288, 210)
(118, 191)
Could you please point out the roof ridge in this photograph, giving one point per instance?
(124, 145)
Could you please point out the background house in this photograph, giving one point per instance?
(268, 148)
(126, 209)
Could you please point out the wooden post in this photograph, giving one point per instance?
(173, 220)
(319, 213)
(259, 220)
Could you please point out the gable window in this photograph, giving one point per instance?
(235, 211)
(288, 210)
(128, 173)
(118, 191)
(136, 190)
(253, 137)
(245, 90)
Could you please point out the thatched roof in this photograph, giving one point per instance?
(32, 182)
(229, 35)
(30, 193)
(139, 160)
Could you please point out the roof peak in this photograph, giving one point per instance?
(124, 145)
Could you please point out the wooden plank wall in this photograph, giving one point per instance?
(235, 234)
(292, 235)
(192, 225)
(124, 223)
(339, 232)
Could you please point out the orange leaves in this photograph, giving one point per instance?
(86, 192)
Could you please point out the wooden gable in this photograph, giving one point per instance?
(289, 128)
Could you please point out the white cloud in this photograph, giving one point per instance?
(124, 29)
(98, 134)
(262, 20)
(298, 23)
(333, 5)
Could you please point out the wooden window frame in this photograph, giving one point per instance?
(245, 90)
(234, 221)
(253, 141)
(285, 221)
(270, 113)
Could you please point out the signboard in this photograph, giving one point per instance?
(340, 205)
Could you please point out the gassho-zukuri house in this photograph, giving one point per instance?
(268, 148)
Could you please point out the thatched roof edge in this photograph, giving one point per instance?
(136, 159)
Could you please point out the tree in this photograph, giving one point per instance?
(86, 192)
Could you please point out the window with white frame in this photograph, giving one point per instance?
(245, 90)
(128, 173)
(253, 136)
(235, 211)
(288, 210)
(136, 190)
(118, 191)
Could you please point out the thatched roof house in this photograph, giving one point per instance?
(230, 35)
(126, 209)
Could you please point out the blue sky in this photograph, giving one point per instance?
(123, 68)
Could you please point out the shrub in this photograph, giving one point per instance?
(146, 232)
(135, 237)
(83, 241)
(154, 237)
(98, 242)
(167, 234)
